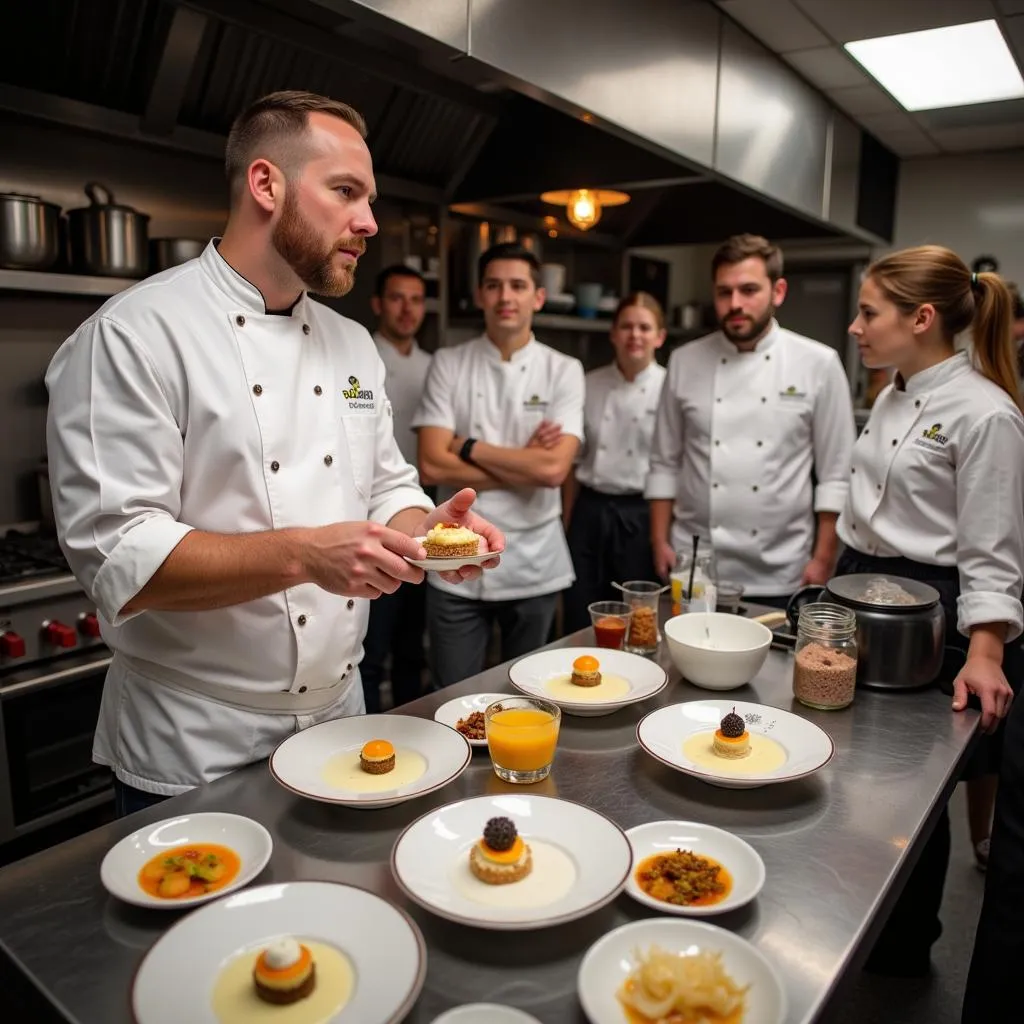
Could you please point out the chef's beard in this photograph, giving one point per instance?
(750, 329)
(309, 256)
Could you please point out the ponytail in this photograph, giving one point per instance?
(994, 355)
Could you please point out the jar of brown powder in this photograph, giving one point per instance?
(825, 668)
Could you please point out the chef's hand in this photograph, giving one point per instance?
(664, 558)
(361, 559)
(817, 572)
(983, 677)
(458, 509)
(546, 435)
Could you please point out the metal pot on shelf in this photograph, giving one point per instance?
(165, 253)
(900, 642)
(108, 239)
(29, 232)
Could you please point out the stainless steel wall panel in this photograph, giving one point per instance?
(447, 21)
(842, 198)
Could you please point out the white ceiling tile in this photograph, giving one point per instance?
(845, 21)
(779, 25)
(894, 122)
(1011, 6)
(827, 67)
(980, 138)
(864, 99)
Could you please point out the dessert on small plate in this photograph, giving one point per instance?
(673, 968)
(485, 1013)
(543, 862)
(466, 714)
(690, 869)
(297, 952)
(188, 860)
(588, 681)
(370, 760)
(450, 546)
(772, 746)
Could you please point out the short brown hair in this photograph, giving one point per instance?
(274, 121)
(745, 247)
(645, 300)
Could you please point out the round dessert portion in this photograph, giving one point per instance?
(586, 671)
(449, 540)
(731, 737)
(500, 856)
(284, 972)
(377, 757)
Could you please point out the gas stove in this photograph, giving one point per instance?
(29, 556)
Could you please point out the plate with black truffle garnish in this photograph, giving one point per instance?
(512, 862)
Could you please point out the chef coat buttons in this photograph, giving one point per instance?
(715, 486)
(305, 328)
(257, 389)
(760, 444)
(317, 390)
(767, 358)
(718, 400)
(763, 399)
(240, 320)
(867, 431)
(301, 620)
(754, 488)
(853, 469)
(895, 442)
(350, 604)
(275, 466)
(328, 460)
(717, 443)
(917, 404)
(878, 487)
(302, 689)
(724, 360)
(753, 533)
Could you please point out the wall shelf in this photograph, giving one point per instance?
(62, 284)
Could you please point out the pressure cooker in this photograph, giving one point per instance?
(901, 628)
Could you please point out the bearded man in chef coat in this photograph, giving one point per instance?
(747, 416)
(226, 480)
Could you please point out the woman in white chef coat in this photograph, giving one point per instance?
(937, 495)
(603, 503)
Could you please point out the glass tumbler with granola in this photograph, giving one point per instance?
(642, 596)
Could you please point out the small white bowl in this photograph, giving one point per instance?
(739, 858)
(485, 1013)
(120, 869)
(740, 647)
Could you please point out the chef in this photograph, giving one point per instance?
(936, 495)
(226, 481)
(608, 521)
(746, 416)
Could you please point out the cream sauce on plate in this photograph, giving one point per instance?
(344, 772)
(611, 687)
(235, 1000)
(553, 875)
(765, 757)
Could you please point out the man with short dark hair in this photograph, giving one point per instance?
(502, 414)
(398, 620)
(747, 414)
(226, 482)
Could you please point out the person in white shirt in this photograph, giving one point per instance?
(226, 482)
(398, 621)
(746, 416)
(502, 414)
(607, 517)
(937, 495)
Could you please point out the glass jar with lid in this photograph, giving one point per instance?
(825, 665)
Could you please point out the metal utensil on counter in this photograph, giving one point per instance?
(29, 232)
(108, 239)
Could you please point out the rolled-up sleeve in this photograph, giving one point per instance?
(833, 437)
(990, 523)
(115, 456)
(667, 440)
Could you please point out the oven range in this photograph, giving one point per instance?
(52, 667)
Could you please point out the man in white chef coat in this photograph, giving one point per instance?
(746, 415)
(226, 481)
(502, 414)
(398, 620)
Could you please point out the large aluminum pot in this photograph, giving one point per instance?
(29, 235)
(900, 643)
(165, 253)
(107, 239)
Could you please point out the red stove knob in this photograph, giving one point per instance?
(60, 635)
(12, 645)
(89, 625)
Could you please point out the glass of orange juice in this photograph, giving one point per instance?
(522, 733)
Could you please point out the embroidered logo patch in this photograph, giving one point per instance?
(932, 437)
(535, 404)
(792, 392)
(357, 396)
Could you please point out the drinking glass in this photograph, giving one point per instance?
(610, 620)
(643, 597)
(522, 733)
(705, 576)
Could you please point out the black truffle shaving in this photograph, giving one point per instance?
(733, 726)
(500, 834)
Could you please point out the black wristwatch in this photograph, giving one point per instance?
(466, 449)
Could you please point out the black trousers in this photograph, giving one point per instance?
(396, 627)
(609, 540)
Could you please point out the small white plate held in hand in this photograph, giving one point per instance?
(449, 564)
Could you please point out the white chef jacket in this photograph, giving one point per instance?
(406, 378)
(618, 423)
(938, 477)
(735, 440)
(473, 392)
(183, 405)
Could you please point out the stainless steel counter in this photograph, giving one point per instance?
(836, 847)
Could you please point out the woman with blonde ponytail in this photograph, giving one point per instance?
(937, 495)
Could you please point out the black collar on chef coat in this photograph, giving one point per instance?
(242, 292)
